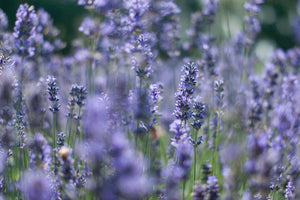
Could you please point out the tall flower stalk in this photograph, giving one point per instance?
(219, 91)
(54, 108)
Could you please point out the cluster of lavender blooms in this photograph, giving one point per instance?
(117, 118)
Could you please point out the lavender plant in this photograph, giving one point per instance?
(114, 128)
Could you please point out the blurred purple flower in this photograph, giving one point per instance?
(3, 21)
(36, 186)
(25, 30)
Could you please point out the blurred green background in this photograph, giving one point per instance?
(276, 17)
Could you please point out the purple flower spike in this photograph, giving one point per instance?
(25, 30)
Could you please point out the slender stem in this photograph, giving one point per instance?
(195, 162)
(20, 163)
(146, 146)
(66, 128)
(79, 124)
(135, 134)
(54, 140)
(195, 155)
(90, 78)
(70, 129)
(141, 83)
(53, 130)
(19, 106)
(245, 63)
(183, 189)
(216, 142)
(91, 67)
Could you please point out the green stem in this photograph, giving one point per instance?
(195, 155)
(195, 162)
(20, 91)
(53, 131)
(70, 130)
(54, 140)
(79, 124)
(90, 78)
(141, 83)
(244, 73)
(183, 189)
(216, 144)
(146, 145)
(66, 128)
(135, 134)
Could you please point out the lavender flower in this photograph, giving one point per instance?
(136, 9)
(131, 182)
(7, 96)
(116, 132)
(21, 125)
(206, 171)
(143, 56)
(85, 2)
(52, 92)
(195, 32)
(61, 139)
(283, 119)
(261, 161)
(66, 164)
(294, 58)
(179, 129)
(254, 113)
(207, 191)
(185, 92)
(96, 109)
(252, 6)
(252, 25)
(168, 27)
(3, 159)
(45, 24)
(7, 139)
(25, 30)
(213, 188)
(6, 63)
(289, 191)
(219, 89)
(36, 101)
(199, 192)
(101, 5)
(89, 27)
(36, 186)
(72, 103)
(289, 87)
(279, 59)
(155, 96)
(195, 142)
(40, 151)
(198, 115)
(229, 183)
(3, 20)
(172, 178)
(79, 94)
(209, 10)
(182, 110)
(209, 54)
(45, 41)
(142, 109)
(184, 153)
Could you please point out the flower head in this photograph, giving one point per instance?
(25, 30)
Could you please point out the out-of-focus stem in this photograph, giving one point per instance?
(54, 140)
(79, 124)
